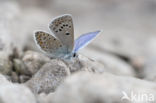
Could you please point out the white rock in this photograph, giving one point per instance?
(149, 70)
(14, 93)
(109, 64)
(5, 64)
(85, 87)
(45, 98)
(3, 80)
(20, 67)
(34, 61)
(49, 77)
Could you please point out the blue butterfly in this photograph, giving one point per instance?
(62, 44)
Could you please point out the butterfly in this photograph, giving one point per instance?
(61, 44)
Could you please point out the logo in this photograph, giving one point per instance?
(137, 97)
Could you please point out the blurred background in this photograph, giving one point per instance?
(128, 26)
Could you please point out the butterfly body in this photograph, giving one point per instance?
(62, 45)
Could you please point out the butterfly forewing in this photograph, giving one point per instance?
(84, 40)
(62, 28)
(48, 43)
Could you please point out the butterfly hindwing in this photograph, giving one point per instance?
(48, 43)
(83, 40)
(62, 28)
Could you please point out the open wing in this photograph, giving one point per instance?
(84, 40)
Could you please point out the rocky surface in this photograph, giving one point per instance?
(87, 87)
(48, 77)
(15, 93)
(119, 62)
(34, 61)
(109, 64)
